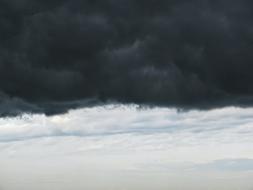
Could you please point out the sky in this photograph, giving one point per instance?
(128, 147)
(126, 94)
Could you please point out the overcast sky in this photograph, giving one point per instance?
(62, 54)
(126, 94)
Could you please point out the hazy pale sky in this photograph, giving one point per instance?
(120, 147)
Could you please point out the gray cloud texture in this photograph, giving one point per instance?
(170, 53)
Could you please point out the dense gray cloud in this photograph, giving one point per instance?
(172, 53)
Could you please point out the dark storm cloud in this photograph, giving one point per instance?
(174, 53)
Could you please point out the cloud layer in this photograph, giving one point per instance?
(125, 147)
(173, 53)
(159, 129)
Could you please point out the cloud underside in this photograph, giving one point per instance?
(55, 55)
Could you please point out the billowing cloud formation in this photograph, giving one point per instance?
(104, 121)
(176, 53)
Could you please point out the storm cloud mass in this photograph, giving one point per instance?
(62, 54)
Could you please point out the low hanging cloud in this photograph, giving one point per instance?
(57, 55)
(219, 125)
